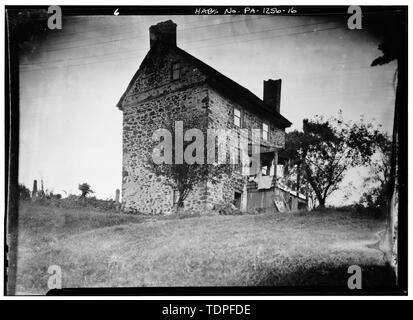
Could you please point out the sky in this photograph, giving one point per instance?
(71, 80)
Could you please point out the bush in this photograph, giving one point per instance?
(347, 208)
(372, 212)
(78, 202)
(24, 192)
(360, 210)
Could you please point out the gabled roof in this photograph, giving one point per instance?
(225, 86)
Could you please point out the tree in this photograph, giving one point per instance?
(24, 192)
(394, 48)
(377, 183)
(324, 150)
(184, 177)
(85, 189)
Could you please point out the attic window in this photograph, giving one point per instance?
(176, 71)
(237, 117)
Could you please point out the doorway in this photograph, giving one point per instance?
(237, 199)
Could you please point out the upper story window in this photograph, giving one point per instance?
(237, 117)
(265, 131)
(176, 71)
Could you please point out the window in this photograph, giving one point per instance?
(266, 165)
(237, 117)
(176, 71)
(264, 171)
(265, 131)
(175, 196)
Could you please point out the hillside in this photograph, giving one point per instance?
(97, 249)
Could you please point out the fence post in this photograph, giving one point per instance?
(117, 196)
(34, 191)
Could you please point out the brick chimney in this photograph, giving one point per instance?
(164, 32)
(272, 93)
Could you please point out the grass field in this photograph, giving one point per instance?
(97, 249)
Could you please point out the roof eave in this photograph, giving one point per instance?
(132, 81)
(260, 107)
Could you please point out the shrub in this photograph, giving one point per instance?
(85, 189)
(24, 192)
(78, 202)
(359, 210)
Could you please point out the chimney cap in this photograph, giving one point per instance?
(164, 32)
(272, 81)
(164, 24)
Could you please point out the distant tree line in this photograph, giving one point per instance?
(84, 200)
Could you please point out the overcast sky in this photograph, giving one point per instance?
(70, 82)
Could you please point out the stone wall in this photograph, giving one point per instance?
(153, 78)
(152, 94)
(221, 116)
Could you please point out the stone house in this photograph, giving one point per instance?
(171, 79)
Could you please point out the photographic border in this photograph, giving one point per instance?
(12, 160)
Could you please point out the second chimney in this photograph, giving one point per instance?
(164, 32)
(272, 93)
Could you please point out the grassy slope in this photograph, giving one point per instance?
(109, 249)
